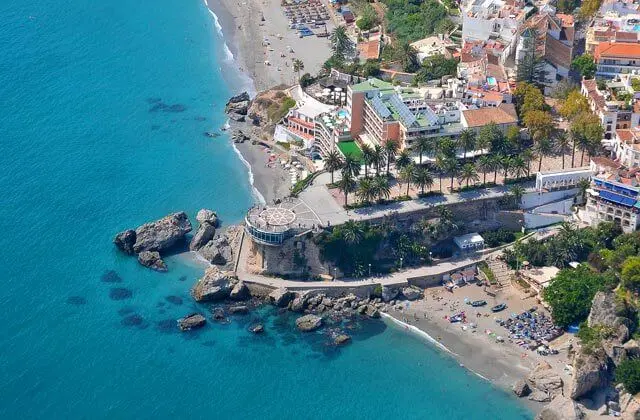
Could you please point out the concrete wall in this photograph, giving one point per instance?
(535, 199)
(533, 221)
(558, 207)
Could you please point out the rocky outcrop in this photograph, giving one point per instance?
(562, 408)
(371, 311)
(281, 297)
(191, 322)
(162, 234)
(207, 216)
(239, 310)
(217, 251)
(605, 313)
(521, 388)
(632, 348)
(125, 241)
(629, 407)
(412, 293)
(256, 328)
(214, 285)
(238, 106)
(539, 396)
(543, 378)
(151, 259)
(389, 293)
(308, 323)
(298, 303)
(591, 372)
(342, 339)
(240, 291)
(204, 234)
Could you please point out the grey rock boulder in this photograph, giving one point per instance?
(298, 303)
(372, 312)
(591, 372)
(207, 216)
(389, 293)
(632, 348)
(191, 322)
(342, 339)
(521, 388)
(125, 241)
(214, 285)
(539, 396)
(151, 259)
(204, 234)
(256, 328)
(562, 408)
(238, 310)
(412, 293)
(218, 251)
(308, 323)
(240, 291)
(162, 234)
(281, 297)
(544, 378)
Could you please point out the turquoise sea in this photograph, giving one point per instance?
(103, 106)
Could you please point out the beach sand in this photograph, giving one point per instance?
(501, 363)
(245, 31)
(271, 182)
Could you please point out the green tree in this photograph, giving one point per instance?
(351, 165)
(382, 187)
(563, 143)
(367, 158)
(346, 185)
(518, 166)
(543, 148)
(585, 65)
(403, 160)
(485, 165)
(574, 104)
(452, 168)
(530, 68)
(366, 190)
(368, 18)
(341, 45)
(352, 232)
(424, 145)
(332, 162)
(467, 141)
(378, 158)
(630, 273)
(586, 132)
(298, 66)
(436, 67)
(570, 294)
(423, 179)
(468, 173)
(390, 148)
(407, 174)
(505, 165)
(528, 97)
(628, 374)
(407, 56)
(589, 8)
(371, 68)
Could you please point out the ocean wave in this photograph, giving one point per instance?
(227, 52)
(256, 193)
(216, 21)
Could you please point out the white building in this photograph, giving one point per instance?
(469, 242)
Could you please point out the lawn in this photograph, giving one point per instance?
(350, 148)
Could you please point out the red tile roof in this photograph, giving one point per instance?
(616, 50)
(503, 114)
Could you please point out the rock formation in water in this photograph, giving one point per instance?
(191, 322)
(309, 322)
(152, 260)
(215, 285)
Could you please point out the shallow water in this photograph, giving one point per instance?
(103, 111)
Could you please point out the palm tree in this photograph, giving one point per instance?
(517, 192)
(367, 158)
(467, 141)
(497, 164)
(483, 142)
(423, 179)
(332, 162)
(468, 173)
(403, 159)
(544, 147)
(452, 168)
(352, 232)
(298, 66)
(347, 185)
(485, 164)
(424, 145)
(407, 174)
(407, 56)
(583, 144)
(528, 156)
(574, 135)
(351, 165)
(563, 142)
(341, 45)
(366, 190)
(518, 166)
(378, 157)
(505, 164)
(391, 148)
(583, 186)
(441, 166)
(382, 187)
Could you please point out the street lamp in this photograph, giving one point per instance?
(335, 273)
(369, 269)
(400, 263)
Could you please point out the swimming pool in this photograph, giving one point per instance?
(492, 81)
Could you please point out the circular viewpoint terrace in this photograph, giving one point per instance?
(272, 224)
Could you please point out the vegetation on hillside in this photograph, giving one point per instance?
(411, 20)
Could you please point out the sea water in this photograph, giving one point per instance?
(103, 106)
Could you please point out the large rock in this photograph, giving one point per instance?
(309, 322)
(281, 297)
(539, 396)
(298, 304)
(389, 293)
(238, 104)
(217, 251)
(412, 293)
(562, 408)
(591, 372)
(125, 241)
(207, 216)
(521, 388)
(632, 348)
(545, 379)
(604, 312)
(152, 260)
(342, 339)
(162, 234)
(372, 312)
(191, 322)
(240, 291)
(204, 234)
(214, 285)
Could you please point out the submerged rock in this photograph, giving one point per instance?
(342, 339)
(151, 259)
(191, 322)
(239, 309)
(76, 300)
(218, 314)
(120, 293)
(308, 323)
(132, 320)
(176, 300)
(110, 276)
(256, 328)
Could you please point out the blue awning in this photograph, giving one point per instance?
(617, 198)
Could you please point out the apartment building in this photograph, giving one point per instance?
(615, 58)
(617, 21)
(626, 147)
(617, 105)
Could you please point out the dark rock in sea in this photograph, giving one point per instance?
(152, 260)
(211, 134)
(159, 106)
(342, 339)
(120, 293)
(209, 343)
(132, 320)
(76, 300)
(125, 241)
(176, 108)
(153, 100)
(242, 97)
(308, 323)
(239, 310)
(200, 118)
(110, 276)
(160, 304)
(240, 291)
(207, 216)
(162, 234)
(125, 311)
(182, 278)
(256, 328)
(176, 300)
(161, 311)
(218, 314)
(191, 322)
(167, 326)
(521, 388)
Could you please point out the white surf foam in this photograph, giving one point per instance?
(227, 52)
(216, 21)
(256, 193)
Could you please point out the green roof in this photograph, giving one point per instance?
(371, 84)
(350, 148)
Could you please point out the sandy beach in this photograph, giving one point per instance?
(500, 363)
(245, 32)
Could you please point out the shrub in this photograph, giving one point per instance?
(628, 373)
(493, 238)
